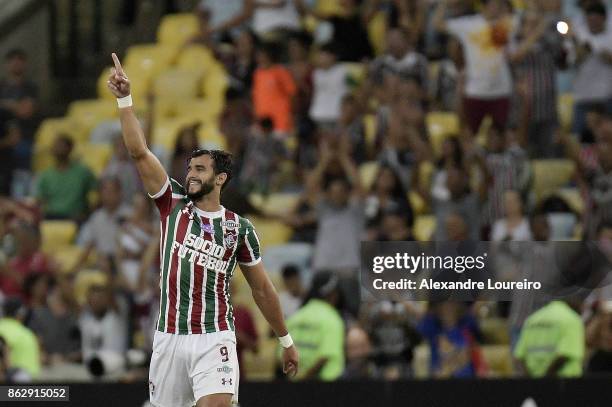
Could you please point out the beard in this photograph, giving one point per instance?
(205, 189)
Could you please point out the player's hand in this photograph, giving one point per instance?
(290, 361)
(118, 82)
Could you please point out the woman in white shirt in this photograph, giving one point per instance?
(514, 226)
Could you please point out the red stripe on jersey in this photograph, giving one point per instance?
(181, 231)
(198, 282)
(229, 216)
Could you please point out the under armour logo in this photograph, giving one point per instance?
(225, 381)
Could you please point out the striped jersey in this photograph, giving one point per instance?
(199, 251)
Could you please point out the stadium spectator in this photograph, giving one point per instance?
(273, 90)
(27, 260)
(359, 354)
(63, 189)
(318, 330)
(348, 29)
(514, 225)
(21, 341)
(451, 333)
(57, 329)
(599, 339)
(395, 225)
(221, 19)
(134, 236)
(19, 95)
(329, 87)
(593, 80)
(275, 18)
(121, 167)
(300, 66)
(394, 337)
(535, 53)
(339, 213)
(99, 233)
(241, 63)
(186, 143)
(552, 342)
(10, 135)
(302, 219)
(8, 373)
(292, 297)
(36, 289)
(387, 195)
(400, 59)
(103, 325)
(484, 36)
(350, 123)
(539, 227)
(264, 152)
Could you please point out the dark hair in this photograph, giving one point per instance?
(290, 271)
(457, 157)
(330, 47)
(186, 130)
(398, 191)
(596, 8)
(266, 124)
(13, 307)
(271, 50)
(222, 162)
(302, 37)
(606, 224)
(15, 53)
(65, 138)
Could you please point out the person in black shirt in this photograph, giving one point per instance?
(9, 138)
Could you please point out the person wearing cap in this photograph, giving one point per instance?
(318, 330)
(21, 341)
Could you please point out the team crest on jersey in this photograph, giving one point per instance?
(230, 240)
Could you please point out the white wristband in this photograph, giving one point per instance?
(124, 101)
(286, 341)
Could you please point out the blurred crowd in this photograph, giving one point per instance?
(430, 132)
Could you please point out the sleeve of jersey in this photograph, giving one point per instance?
(248, 251)
(168, 196)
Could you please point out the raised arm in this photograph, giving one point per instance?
(151, 171)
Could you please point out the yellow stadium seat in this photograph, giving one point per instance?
(57, 234)
(95, 156)
(495, 330)
(177, 29)
(549, 175)
(367, 173)
(196, 58)
(271, 232)
(565, 107)
(424, 227)
(198, 109)
(369, 124)
(498, 359)
(329, 7)
(261, 365)
(86, 279)
(356, 71)
(166, 131)
(67, 257)
(214, 85)
(439, 126)
(210, 137)
(176, 83)
(417, 203)
(280, 202)
(147, 61)
(377, 29)
(573, 198)
(90, 113)
(420, 363)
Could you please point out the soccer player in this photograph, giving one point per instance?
(194, 349)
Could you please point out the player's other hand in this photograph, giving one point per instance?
(118, 82)
(290, 361)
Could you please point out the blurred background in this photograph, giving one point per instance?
(349, 121)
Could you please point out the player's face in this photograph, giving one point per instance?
(200, 180)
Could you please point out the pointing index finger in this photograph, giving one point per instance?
(118, 66)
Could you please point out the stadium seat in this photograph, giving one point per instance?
(176, 84)
(261, 365)
(57, 234)
(549, 175)
(271, 232)
(498, 359)
(196, 58)
(495, 331)
(149, 60)
(214, 85)
(424, 227)
(281, 202)
(90, 113)
(420, 362)
(356, 72)
(574, 199)
(439, 126)
(166, 131)
(298, 253)
(197, 109)
(177, 29)
(376, 32)
(565, 106)
(369, 124)
(210, 137)
(66, 257)
(418, 204)
(367, 173)
(95, 156)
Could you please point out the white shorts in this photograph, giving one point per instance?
(185, 368)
